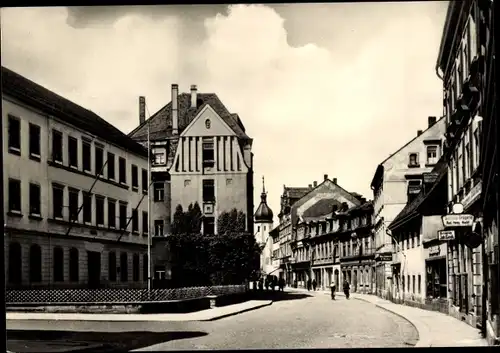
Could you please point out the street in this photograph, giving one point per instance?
(300, 320)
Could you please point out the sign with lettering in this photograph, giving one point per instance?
(446, 234)
(434, 250)
(472, 195)
(430, 178)
(458, 220)
(385, 258)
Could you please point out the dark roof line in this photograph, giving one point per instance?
(37, 96)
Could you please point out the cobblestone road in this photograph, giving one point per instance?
(311, 322)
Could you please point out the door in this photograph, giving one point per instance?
(337, 280)
(94, 269)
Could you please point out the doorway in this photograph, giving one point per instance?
(94, 269)
(337, 280)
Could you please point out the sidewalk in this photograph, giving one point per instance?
(435, 329)
(203, 315)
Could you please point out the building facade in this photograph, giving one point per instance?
(396, 177)
(419, 267)
(75, 191)
(200, 153)
(461, 64)
(263, 220)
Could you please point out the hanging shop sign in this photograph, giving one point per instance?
(473, 240)
(458, 220)
(385, 258)
(446, 234)
(472, 196)
(434, 250)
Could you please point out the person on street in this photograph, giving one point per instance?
(273, 283)
(346, 289)
(333, 288)
(261, 284)
(267, 283)
(282, 284)
(309, 284)
(314, 283)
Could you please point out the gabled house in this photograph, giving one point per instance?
(398, 179)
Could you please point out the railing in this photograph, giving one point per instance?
(114, 296)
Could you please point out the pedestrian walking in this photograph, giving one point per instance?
(315, 284)
(333, 288)
(282, 284)
(309, 284)
(347, 287)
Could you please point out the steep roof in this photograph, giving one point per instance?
(296, 192)
(39, 97)
(321, 208)
(412, 208)
(161, 121)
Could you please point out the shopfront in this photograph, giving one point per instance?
(436, 278)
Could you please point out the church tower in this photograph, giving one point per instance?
(263, 224)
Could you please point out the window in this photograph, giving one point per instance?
(57, 201)
(419, 284)
(413, 283)
(145, 222)
(111, 213)
(414, 187)
(208, 152)
(135, 177)
(477, 147)
(99, 161)
(35, 264)
(466, 61)
(72, 152)
(159, 157)
(14, 139)
(73, 205)
(432, 155)
(34, 199)
(123, 215)
(135, 221)
(413, 160)
(145, 181)
(159, 228)
(14, 195)
(112, 267)
(367, 245)
(86, 156)
(258, 228)
(122, 170)
(35, 134)
(87, 208)
(58, 264)
(99, 210)
(145, 264)
(208, 190)
(159, 192)
(208, 225)
(111, 166)
(15, 263)
(73, 265)
(123, 267)
(408, 278)
(135, 268)
(57, 146)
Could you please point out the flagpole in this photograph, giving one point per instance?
(149, 207)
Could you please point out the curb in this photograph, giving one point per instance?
(422, 330)
(237, 312)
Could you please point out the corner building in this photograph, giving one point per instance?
(74, 190)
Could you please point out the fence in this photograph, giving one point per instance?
(113, 296)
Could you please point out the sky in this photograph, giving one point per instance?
(321, 88)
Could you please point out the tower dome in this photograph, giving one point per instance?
(263, 213)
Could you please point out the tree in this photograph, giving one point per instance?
(231, 222)
(178, 221)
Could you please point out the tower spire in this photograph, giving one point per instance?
(263, 186)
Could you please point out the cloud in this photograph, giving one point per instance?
(310, 109)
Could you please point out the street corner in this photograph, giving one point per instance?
(228, 312)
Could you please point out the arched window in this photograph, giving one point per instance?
(58, 264)
(123, 267)
(112, 267)
(73, 265)
(135, 268)
(15, 263)
(145, 264)
(35, 263)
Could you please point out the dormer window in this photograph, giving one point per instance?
(159, 157)
(208, 152)
(432, 155)
(413, 160)
(414, 187)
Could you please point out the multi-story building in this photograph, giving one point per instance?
(419, 267)
(275, 250)
(263, 219)
(75, 194)
(461, 64)
(200, 153)
(397, 177)
(310, 212)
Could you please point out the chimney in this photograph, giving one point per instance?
(325, 176)
(310, 186)
(419, 132)
(431, 120)
(175, 109)
(142, 110)
(335, 181)
(315, 183)
(194, 96)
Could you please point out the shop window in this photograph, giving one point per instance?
(437, 286)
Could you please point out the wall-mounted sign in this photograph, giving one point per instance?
(434, 250)
(472, 196)
(385, 258)
(430, 178)
(446, 234)
(458, 220)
